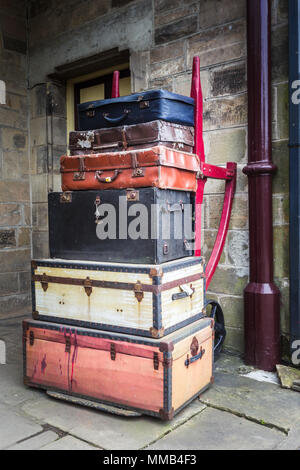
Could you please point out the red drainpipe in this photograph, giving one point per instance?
(261, 296)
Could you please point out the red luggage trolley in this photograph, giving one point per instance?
(206, 171)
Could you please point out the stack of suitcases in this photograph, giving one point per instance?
(119, 308)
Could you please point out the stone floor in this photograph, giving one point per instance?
(236, 413)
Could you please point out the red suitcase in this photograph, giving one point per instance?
(159, 166)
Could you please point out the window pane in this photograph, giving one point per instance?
(125, 87)
(92, 93)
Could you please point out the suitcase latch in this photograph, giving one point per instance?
(155, 361)
(132, 195)
(165, 249)
(44, 282)
(144, 104)
(31, 338)
(138, 172)
(88, 286)
(90, 112)
(138, 291)
(112, 351)
(80, 175)
(66, 197)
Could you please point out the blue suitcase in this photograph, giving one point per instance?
(136, 108)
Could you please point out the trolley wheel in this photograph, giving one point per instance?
(214, 310)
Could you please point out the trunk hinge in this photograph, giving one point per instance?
(112, 351)
(44, 282)
(31, 338)
(155, 361)
(88, 286)
(138, 291)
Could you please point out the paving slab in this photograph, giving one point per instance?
(12, 390)
(292, 441)
(262, 402)
(105, 430)
(15, 427)
(36, 442)
(218, 430)
(68, 443)
(231, 364)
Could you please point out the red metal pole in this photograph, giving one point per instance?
(196, 93)
(115, 92)
(261, 296)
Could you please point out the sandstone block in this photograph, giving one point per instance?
(12, 192)
(225, 112)
(229, 280)
(8, 284)
(181, 28)
(229, 79)
(283, 111)
(213, 13)
(166, 69)
(14, 260)
(280, 54)
(218, 45)
(281, 251)
(165, 52)
(233, 308)
(173, 15)
(182, 84)
(281, 160)
(24, 237)
(10, 214)
(238, 248)
(226, 145)
(7, 238)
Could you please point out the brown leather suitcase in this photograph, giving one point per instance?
(159, 167)
(116, 139)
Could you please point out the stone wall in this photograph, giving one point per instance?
(48, 132)
(15, 213)
(162, 37)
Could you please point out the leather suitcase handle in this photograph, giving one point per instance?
(184, 293)
(180, 295)
(190, 360)
(108, 179)
(116, 120)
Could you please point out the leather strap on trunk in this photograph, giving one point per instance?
(88, 283)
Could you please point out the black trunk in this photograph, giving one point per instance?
(73, 218)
